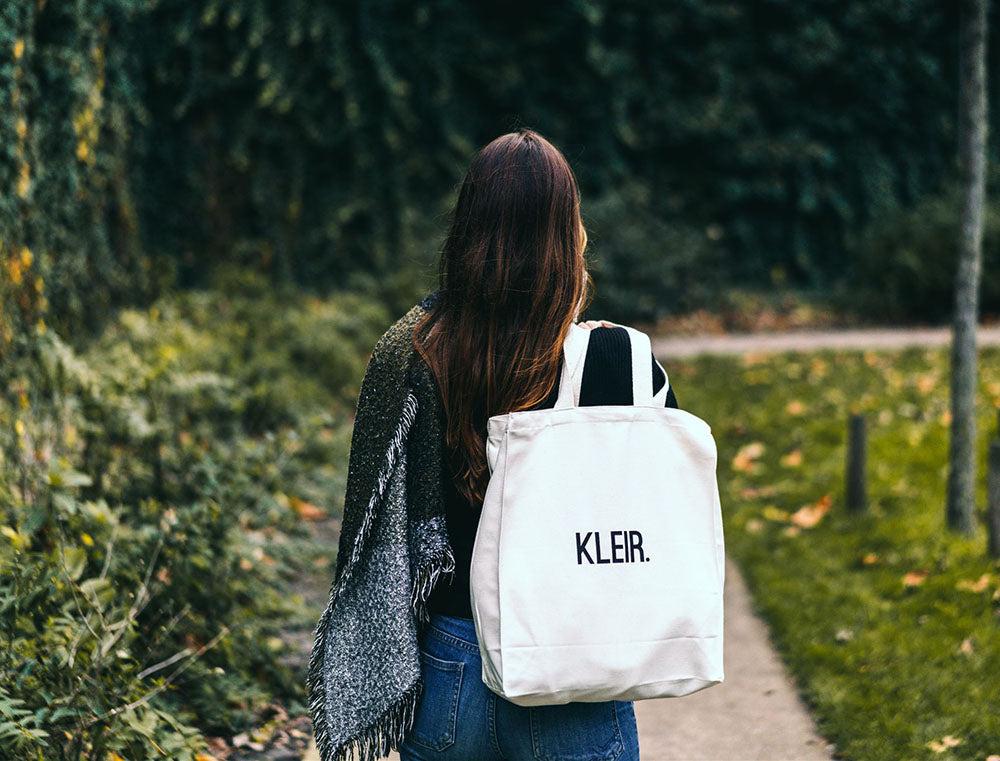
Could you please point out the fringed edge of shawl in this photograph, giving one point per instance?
(424, 581)
(379, 739)
(389, 728)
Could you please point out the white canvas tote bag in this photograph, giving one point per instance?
(598, 566)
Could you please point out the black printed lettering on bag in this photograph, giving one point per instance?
(626, 547)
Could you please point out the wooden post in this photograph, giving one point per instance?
(993, 498)
(857, 458)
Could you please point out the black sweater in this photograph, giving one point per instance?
(607, 379)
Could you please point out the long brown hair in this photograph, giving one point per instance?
(512, 278)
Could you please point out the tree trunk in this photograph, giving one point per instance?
(962, 445)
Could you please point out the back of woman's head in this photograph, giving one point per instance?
(512, 280)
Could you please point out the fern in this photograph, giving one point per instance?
(19, 728)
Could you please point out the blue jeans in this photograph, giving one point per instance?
(458, 718)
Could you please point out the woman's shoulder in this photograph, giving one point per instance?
(395, 345)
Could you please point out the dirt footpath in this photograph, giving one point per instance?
(754, 714)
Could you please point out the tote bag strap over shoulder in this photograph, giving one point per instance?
(575, 351)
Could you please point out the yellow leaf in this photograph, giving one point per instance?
(795, 407)
(755, 525)
(870, 559)
(966, 647)
(306, 510)
(808, 516)
(24, 181)
(19, 427)
(914, 578)
(745, 457)
(18, 49)
(979, 585)
(793, 459)
(87, 539)
(940, 746)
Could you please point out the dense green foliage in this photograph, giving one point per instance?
(328, 135)
(907, 261)
(69, 232)
(890, 623)
(747, 142)
(152, 493)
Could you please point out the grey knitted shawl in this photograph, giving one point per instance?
(364, 676)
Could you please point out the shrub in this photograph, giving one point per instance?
(152, 492)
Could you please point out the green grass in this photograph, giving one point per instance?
(890, 669)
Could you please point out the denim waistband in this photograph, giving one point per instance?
(450, 629)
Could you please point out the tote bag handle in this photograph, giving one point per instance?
(575, 351)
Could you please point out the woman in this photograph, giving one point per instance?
(395, 662)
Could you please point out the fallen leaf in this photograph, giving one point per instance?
(946, 418)
(791, 531)
(870, 559)
(818, 367)
(755, 525)
(744, 461)
(914, 578)
(751, 492)
(844, 635)
(940, 746)
(795, 407)
(994, 757)
(793, 459)
(966, 648)
(974, 586)
(926, 383)
(808, 516)
(306, 510)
